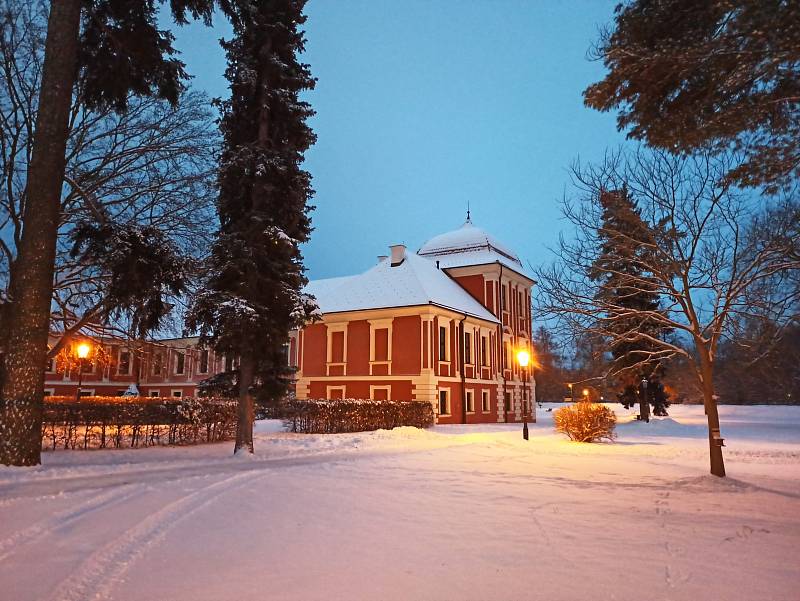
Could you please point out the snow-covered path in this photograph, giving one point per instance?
(453, 513)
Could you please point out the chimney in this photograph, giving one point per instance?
(382, 258)
(398, 253)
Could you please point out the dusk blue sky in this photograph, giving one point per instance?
(423, 106)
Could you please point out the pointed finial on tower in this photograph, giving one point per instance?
(469, 220)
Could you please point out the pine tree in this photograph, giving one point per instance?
(113, 48)
(252, 297)
(620, 270)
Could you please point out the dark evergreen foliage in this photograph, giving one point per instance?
(621, 272)
(122, 50)
(726, 73)
(143, 268)
(252, 296)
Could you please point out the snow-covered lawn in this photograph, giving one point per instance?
(456, 512)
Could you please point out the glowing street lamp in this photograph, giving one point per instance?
(524, 358)
(82, 351)
(585, 394)
(571, 392)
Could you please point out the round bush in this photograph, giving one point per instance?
(586, 422)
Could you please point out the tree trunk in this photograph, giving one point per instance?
(710, 404)
(245, 412)
(644, 402)
(31, 286)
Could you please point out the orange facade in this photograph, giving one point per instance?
(462, 361)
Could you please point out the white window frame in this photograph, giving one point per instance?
(443, 323)
(154, 393)
(446, 392)
(176, 396)
(484, 350)
(374, 326)
(329, 389)
(386, 387)
(52, 368)
(333, 328)
(469, 399)
(49, 392)
(200, 361)
(121, 350)
(86, 392)
(468, 347)
(486, 402)
(175, 367)
(160, 363)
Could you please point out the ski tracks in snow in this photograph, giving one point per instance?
(102, 571)
(63, 518)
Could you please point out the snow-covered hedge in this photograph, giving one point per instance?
(586, 422)
(116, 422)
(319, 416)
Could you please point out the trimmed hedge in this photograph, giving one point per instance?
(319, 416)
(117, 422)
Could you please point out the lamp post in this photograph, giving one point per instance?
(571, 392)
(523, 358)
(586, 394)
(82, 351)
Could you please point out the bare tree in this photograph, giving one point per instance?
(152, 166)
(697, 252)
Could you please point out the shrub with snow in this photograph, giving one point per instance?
(586, 422)
(320, 416)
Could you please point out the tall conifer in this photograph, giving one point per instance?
(621, 273)
(253, 292)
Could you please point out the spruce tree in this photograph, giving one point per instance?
(252, 296)
(623, 286)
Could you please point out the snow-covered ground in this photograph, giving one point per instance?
(456, 512)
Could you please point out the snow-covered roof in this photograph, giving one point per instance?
(469, 245)
(416, 281)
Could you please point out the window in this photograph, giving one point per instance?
(180, 363)
(470, 401)
(443, 354)
(467, 348)
(51, 365)
(508, 401)
(154, 393)
(335, 392)
(124, 364)
(484, 351)
(121, 391)
(506, 352)
(444, 403)
(230, 363)
(380, 393)
(337, 347)
(204, 361)
(86, 392)
(177, 394)
(158, 362)
(485, 404)
(49, 391)
(503, 295)
(381, 344)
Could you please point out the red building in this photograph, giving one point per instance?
(442, 324)
(171, 367)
